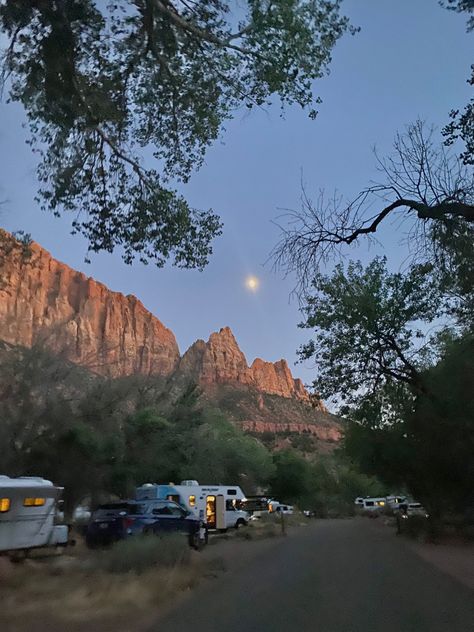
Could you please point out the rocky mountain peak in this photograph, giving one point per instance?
(43, 300)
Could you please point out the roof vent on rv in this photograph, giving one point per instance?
(189, 483)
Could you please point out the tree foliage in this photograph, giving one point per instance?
(95, 436)
(461, 125)
(396, 357)
(429, 447)
(365, 333)
(105, 83)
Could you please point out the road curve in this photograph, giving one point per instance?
(333, 576)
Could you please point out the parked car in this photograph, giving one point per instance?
(170, 517)
(408, 513)
(111, 522)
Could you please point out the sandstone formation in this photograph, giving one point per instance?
(329, 433)
(220, 361)
(43, 300)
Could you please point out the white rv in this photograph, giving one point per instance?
(374, 504)
(27, 513)
(217, 505)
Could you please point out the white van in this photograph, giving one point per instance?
(28, 505)
(217, 505)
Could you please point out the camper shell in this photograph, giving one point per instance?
(28, 507)
(218, 506)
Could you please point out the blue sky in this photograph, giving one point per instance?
(411, 59)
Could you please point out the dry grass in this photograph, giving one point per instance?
(104, 586)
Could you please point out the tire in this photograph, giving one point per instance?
(240, 523)
(196, 543)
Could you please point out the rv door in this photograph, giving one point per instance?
(220, 512)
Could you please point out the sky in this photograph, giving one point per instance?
(410, 59)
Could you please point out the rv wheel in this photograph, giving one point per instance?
(240, 523)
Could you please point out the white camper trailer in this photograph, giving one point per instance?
(27, 511)
(217, 505)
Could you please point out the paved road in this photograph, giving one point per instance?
(335, 576)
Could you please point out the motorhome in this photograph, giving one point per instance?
(28, 506)
(374, 504)
(217, 505)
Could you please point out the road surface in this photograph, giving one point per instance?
(332, 576)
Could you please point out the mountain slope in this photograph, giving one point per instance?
(82, 321)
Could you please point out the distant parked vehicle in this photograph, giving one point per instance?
(169, 517)
(394, 502)
(413, 509)
(115, 521)
(408, 513)
(111, 522)
(219, 506)
(28, 507)
(279, 508)
(255, 506)
(374, 506)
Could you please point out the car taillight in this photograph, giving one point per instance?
(127, 522)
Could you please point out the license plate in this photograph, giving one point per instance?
(103, 525)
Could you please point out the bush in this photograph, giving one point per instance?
(140, 553)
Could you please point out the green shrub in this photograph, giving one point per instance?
(140, 553)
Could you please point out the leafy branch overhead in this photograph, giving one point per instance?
(421, 182)
(103, 86)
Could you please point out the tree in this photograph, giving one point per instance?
(429, 448)
(291, 479)
(462, 123)
(100, 84)
(425, 184)
(365, 334)
(217, 451)
(403, 377)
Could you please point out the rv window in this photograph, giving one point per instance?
(231, 492)
(34, 502)
(369, 503)
(192, 501)
(4, 505)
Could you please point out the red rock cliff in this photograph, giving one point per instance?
(220, 361)
(42, 299)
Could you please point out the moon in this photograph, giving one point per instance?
(252, 283)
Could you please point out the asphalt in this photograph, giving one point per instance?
(333, 576)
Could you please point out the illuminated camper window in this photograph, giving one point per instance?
(192, 501)
(34, 502)
(4, 505)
